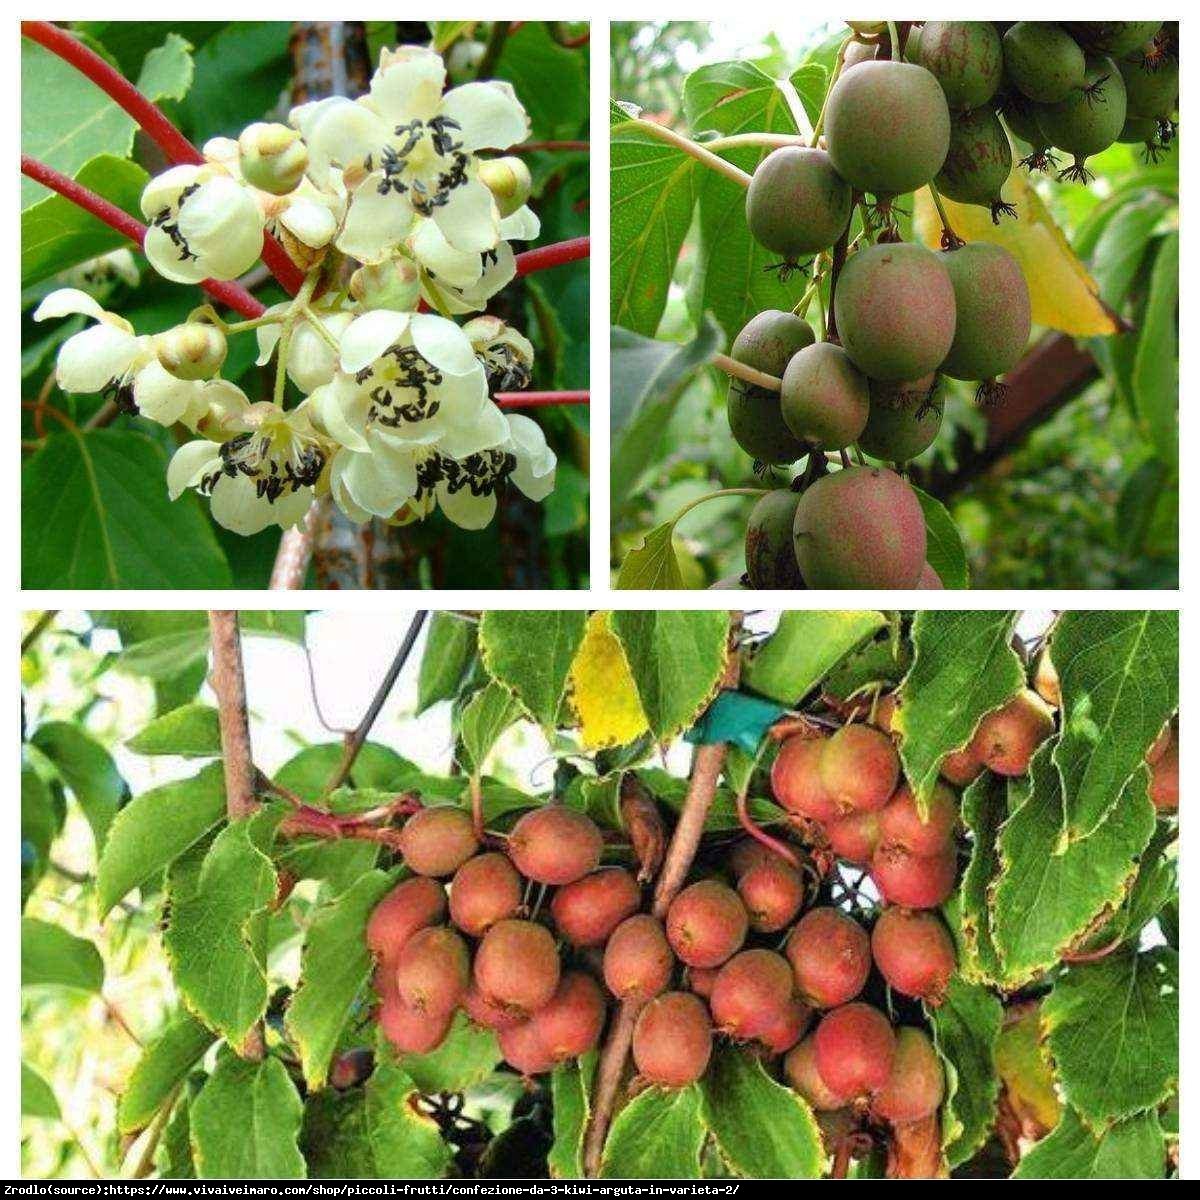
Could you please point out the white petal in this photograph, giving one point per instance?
(521, 226)
(340, 407)
(292, 507)
(189, 464)
(496, 275)
(469, 220)
(368, 336)
(162, 192)
(375, 223)
(227, 406)
(463, 398)
(312, 361)
(458, 268)
(337, 489)
(162, 398)
(66, 301)
(408, 85)
(165, 257)
(465, 509)
(488, 430)
(223, 225)
(490, 114)
(338, 132)
(381, 480)
(536, 462)
(268, 335)
(310, 221)
(443, 344)
(237, 506)
(90, 359)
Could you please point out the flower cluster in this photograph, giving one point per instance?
(399, 211)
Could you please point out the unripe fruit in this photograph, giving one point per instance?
(1114, 37)
(1149, 92)
(853, 1048)
(411, 905)
(1006, 739)
(859, 768)
(895, 310)
(1042, 61)
(523, 1049)
(916, 1085)
(887, 127)
(930, 580)
(961, 767)
(706, 923)
(491, 1016)
(770, 555)
(824, 399)
(788, 1028)
(587, 911)
(796, 780)
(904, 419)
(638, 959)
(516, 965)
(672, 1040)
(860, 528)
(914, 953)
(394, 284)
(966, 59)
(484, 890)
(555, 845)
(411, 1031)
(913, 880)
(854, 837)
(800, 1069)
(1088, 120)
(978, 162)
(437, 841)
(433, 970)
(797, 204)
(272, 157)
(1163, 758)
(772, 893)
(1045, 680)
(900, 822)
(508, 180)
(766, 343)
(868, 28)
(858, 52)
(830, 955)
(191, 351)
(992, 301)
(569, 1026)
(751, 992)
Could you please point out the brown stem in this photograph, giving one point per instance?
(354, 742)
(145, 1162)
(835, 269)
(476, 805)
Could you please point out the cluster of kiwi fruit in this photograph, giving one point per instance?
(904, 316)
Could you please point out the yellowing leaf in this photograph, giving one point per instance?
(602, 689)
(1025, 1069)
(1064, 295)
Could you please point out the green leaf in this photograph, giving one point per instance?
(984, 809)
(763, 1129)
(334, 969)
(174, 1158)
(484, 718)
(164, 1064)
(56, 234)
(216, 937)
(52, 957)
(167, 71)
(449, 648)
(531, 653)
(1119, 674)
(804, 648)
(1113, 1030)
(246, 1121)
(153, 829)
(374, 1132)
(653, 192)
(551, 80)
(657, 1135)
(963, 667)
(465, 1059)
(40, 822)
(1131, 1150)
(87, 769)
(965, 1030)
(190, 731)
(571, 1090)
(95, 513)
(1046, 895)
(37, 1096)
(652, 565)
(676, 659)
(1156, 365)
(943, 543)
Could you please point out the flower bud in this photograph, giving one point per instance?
(273, 157)
(394, 284)
(508, 180)
(191, 351)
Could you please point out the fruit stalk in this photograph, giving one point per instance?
(511, 400)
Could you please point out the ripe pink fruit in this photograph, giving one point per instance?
(796, 780)
(900, 822)
(912, 880)
(437, 841)
(523, 1049)
(672, 1040)
(570, 1024)
(854, 837)
(638, 960)
(1007, 738)
(961, 767)
(491, 1016)
(859, 768)
(706, 923)
(411, 905)
(587, 911)
(800, 1068)
(854, 1047)
(788, 1028)
(916, 1084)
(751, 993)
(484, 890)
(555, 845)
(411, 1031)
(914, 953)
(830, 955)
(772, 892)
(516, 965)
(433, 970)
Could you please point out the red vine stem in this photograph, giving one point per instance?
(152, 120)
(760, 835)
(231, 294)
(540, 399)
(545, 257)
(526, 147)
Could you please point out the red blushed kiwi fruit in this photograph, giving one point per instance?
(787, 1029)
(859, 768)
(855, 837)
(916, 1084)
(961, 767)
(1163, 758)
(854, 1047)
(433, 970)
(411, 1031)
(516, 965)
(411, 905)
(483, 1012)
(796, 780)
(901, 824)
(672, 1040)
(913, 880)
(800, 1070)
(706, 923)
(555, 845)
(830, 955)
(523, 1050)
(914, 953)
(1006, 739)
(751, 993)
(638, 959)
(772, 892)
(437, 841)
(484, 890)
(570, 1024)
(747, 853)
(701, 981)
(587, 911)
